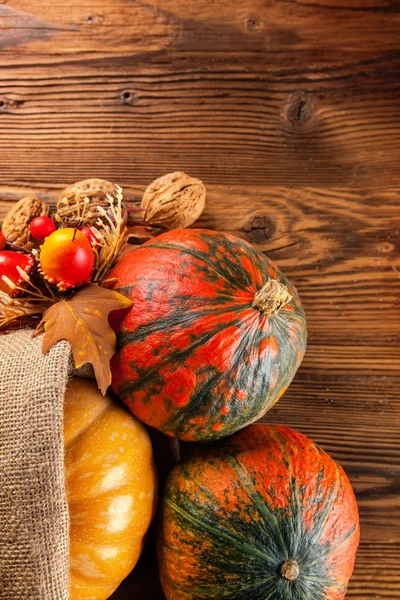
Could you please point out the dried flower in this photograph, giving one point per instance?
(173, 201)
(26, 307)
(78, 203)
(109, 234)
(16, 223)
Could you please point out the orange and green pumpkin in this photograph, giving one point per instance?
(263, 515)
(214, 337)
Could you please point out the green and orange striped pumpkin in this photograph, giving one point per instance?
(214, 337)
(263, 515)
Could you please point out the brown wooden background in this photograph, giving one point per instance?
(289, 111)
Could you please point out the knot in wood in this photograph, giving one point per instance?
(94, 19)
(10, 103)
(127, 97)
(259, 229)
(253, 23)
(299, 110)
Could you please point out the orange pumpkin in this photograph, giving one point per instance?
(263, 515)
(111, 488)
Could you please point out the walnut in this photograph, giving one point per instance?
(16, 223)
(173, 201)
(78, 203)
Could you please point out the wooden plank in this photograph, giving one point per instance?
(376, 577)
(252, 93)
(240, 127)
(106, 27)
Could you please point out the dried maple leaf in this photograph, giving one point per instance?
(82, 320)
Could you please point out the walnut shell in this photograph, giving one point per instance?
(16, 223)
(79, 201)
(173, 201)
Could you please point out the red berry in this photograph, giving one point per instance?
(41, 227)
(2, 240)
(90, 234)
(67, 259)
(9, 263)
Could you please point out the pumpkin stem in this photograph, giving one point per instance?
(272, 296)
(290, 570)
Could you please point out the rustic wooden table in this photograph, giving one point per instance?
(289, 111)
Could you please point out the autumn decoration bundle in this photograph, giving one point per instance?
(199, 334)
(54, 270)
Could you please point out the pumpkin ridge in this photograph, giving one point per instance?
(203, 258)
(250, 329)
(231, 562)
(195, 402)
(98, 494)
(219, 533)
(300, 534)
(206, 388)
(211, 498)
(206, 391)
(320, 517)
(278, 324)
(270, 596)
(213, 240)
(175, 356)
(347, 535)
(106, 535)
(279, 434)
(329, 549)
(249, 332)
(77, 438)
(268, 516)
(318, 522)
(227, 589)
(294, 502)
(161, 324)
(98, 586)
(249, 374)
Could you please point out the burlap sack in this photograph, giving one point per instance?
(33, 507)
(34, 524)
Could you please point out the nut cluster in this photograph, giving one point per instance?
(16, 223)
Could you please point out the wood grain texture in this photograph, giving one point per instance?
(289, 111)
